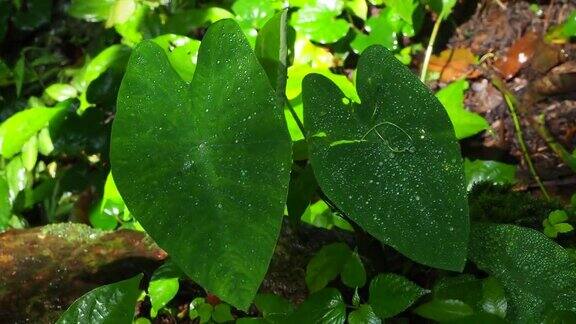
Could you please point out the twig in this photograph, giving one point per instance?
(511, 103)
(430, 47)
(296, 118)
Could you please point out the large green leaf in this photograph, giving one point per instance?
(538, 275)
(392, 164)
(110, 304)
(318, 20)
(204, 166)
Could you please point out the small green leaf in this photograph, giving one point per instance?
(383, 29)
(326, 265)
(45, 145)
(324, 306)
(270, 304)
(229, 152)
(538, 275)
(443, 310)
(90, 10)
(391, 294)
(563, 228)
(182, 52)
(494, 172)
(379, 160)
(494, 297)
(163, 286)
(318, 21)
(200, 309)
(363, 315)
(110, 304)
(465, 123)
(30, 153)
(222, 313)
(16, 176)
(557, 216)
(61, 91)
(17, 130)
(353, 274)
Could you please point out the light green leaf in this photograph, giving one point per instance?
(320, 215)
(228, 167)
(182, 53)
(110, 304)
(45, 145)
(358, 7)
(391, 294)
(383, 30)
(163, 286)
(495, 172)
(17, 130)
(325, 306)
(353, 274)
(272, 52)
(379, 160)
(363, 315)
(326, 265)
(317, 20)
(557, 216)
(61, 91)
(16, 176)
(465, 123)
(538, 275)
(90, 10)
(563, 228)
(30, 153)
(443, 310)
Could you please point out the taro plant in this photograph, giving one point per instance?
(220, 147)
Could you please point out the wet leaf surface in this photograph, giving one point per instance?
(205, 166)
(538, 275)
(391, 166)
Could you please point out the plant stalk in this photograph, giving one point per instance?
(430, 47)
(511, 103)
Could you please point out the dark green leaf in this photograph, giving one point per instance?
(228, 166)
(443, 310)
(391, 294)
(325, 306)
(302, 187)
(200, 309)
(363, 315)
(270, 304)
(222, 313)
(19, 74)
(5, 205)
(33, 14)
(377, 161)
(538, 275)
(110, 304)
(479, 318)
(326, 265)
(353, 274)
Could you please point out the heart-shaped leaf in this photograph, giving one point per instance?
(392, 163)
(538, 275)
(204, 166)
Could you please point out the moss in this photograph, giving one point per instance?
(73, 232)
(499, 204)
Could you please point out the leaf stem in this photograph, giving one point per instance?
(511, 103)
(295, 116)
(430, 47)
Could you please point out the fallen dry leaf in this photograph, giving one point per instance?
(517, 56)
(454, 64)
